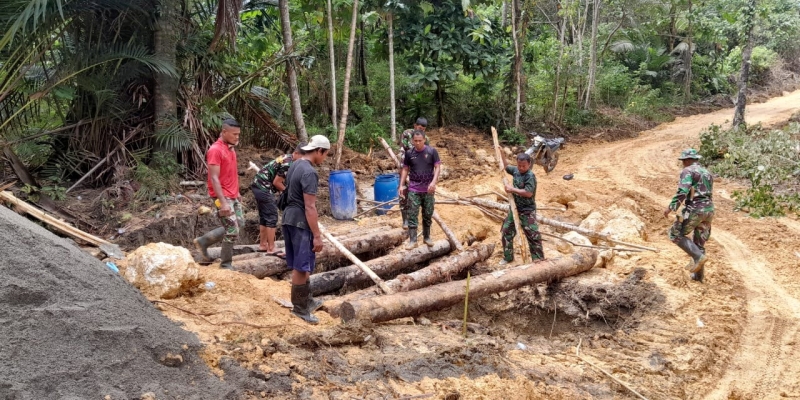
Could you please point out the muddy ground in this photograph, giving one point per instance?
(639, 319)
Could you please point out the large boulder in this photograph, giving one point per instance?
(573, 238)
(595, 222)
(624, 225)
(563, 198)
(161, 270)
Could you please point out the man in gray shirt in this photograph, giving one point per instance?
(301, 232)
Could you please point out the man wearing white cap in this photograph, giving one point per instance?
(301, 231)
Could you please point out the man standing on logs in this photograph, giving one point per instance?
(405, 145)
(301, 231)
(421, 167)
(694, 191)
(524, 191)
(223, 184)
(270, 181)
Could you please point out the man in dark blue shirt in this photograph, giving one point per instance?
(421, 166)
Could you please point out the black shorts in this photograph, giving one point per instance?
(267, 207)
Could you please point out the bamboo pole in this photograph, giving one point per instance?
(375, 206)
(526, 258)
(451, 237)
(391, 153)
(375, 278)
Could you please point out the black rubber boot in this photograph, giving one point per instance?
(412, 238)
(404, 213)
(426, 236)
(698, 258)
(698, 276)
(300, 301)
(226, 256)
(202, 243)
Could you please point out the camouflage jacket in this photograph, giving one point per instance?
(694, 190)
(269, 171)
(405, 139)
(526, 181)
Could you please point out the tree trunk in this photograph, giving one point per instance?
(363, 64)
(440, 102)
(741, 98)
(503, 14)
(165, 42)
(294, 93)
(556, 81)
(262, 267)
(517, 64)
(353, 276)
(432, 274)
(687, 60)
(437, 297)
(346, 94)
(592, 54)
(391, 79)
(332, 56)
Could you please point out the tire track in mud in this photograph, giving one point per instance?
(766, 359)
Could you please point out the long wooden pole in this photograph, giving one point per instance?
(391, 153)
(375, 278)
(526, 258)
(451, 237)
(562, 225)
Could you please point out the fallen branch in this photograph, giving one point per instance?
(206, 320)
(374, 207)
(625, 385)
(588, 246)
(447, 232)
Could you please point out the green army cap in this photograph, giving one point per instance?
(689, 154)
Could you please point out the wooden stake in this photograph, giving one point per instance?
(526, 258)
(450, 235)
(391, 153)
(466, 306)
(375, 278)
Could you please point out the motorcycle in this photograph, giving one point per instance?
(545, 151)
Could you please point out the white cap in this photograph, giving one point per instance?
(317, 142)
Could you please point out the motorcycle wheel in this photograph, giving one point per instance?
(551, 161)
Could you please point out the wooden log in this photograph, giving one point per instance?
(263, 267)
(450, 235)
(437, 297)
(587, 232)
(391, 153)
(111, 249)
(350, 256)
(512, 204)
(432, 274)
(336, 279)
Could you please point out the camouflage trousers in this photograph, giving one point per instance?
(695, 222)
(233, 223)
(527, 221)
(415, 201)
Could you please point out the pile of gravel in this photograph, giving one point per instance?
(70, 328)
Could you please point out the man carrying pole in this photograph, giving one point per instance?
(524, 190)
(694, 191)
(421, 167)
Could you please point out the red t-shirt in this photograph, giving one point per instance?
(220, 154)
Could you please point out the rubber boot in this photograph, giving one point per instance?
(699, 275)
(226, 256)
(426, 236)
(202, 243)
(313, 304)
(698, 258)
(412, 238)
(300, 297)
(404, 213)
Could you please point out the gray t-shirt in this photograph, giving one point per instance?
(301, 178)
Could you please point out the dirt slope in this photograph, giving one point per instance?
(759, 251)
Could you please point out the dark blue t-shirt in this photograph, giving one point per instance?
(420, 167)
(301, 178)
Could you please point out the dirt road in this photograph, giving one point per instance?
(760, 252)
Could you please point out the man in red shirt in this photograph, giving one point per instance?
(223, 185)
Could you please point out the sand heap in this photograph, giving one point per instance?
(72, 328)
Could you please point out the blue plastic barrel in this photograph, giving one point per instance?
(385, 190)
(342, 190)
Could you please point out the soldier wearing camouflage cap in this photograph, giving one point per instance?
(694, 191)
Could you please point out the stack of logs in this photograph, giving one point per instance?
(409, 294)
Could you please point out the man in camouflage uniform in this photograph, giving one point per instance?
(421, 167)
(269, 181)
(524, 191)
(405, 145)
(694, 191)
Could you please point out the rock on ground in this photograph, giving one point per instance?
(161, 270)
(624, 225)
(574, 237)
(73, 329)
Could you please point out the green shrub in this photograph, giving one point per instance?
(158, 178)
(366, 133)
(614, 85)
(761, 61)
(645, 102)
(512, 137)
